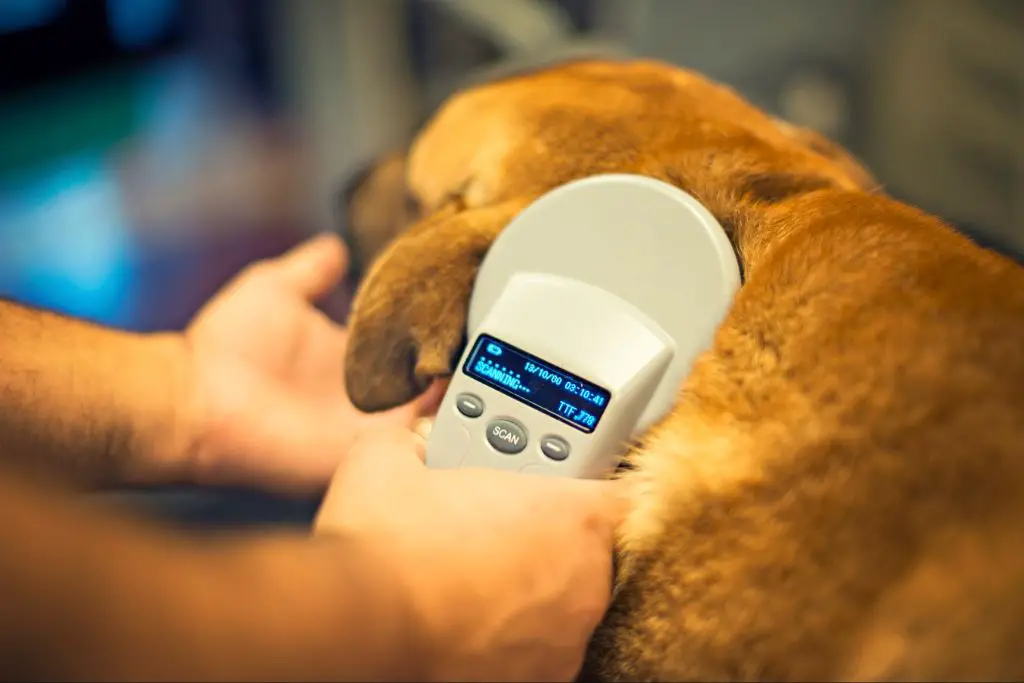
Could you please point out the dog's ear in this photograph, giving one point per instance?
(834, 152)
(373, 207)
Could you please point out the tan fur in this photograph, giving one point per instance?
(839, 491)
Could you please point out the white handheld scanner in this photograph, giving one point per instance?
(553, 382)
(585, 318)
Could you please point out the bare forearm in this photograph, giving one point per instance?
(95, 405)
(87, 597)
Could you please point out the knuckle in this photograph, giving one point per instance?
(257, 269)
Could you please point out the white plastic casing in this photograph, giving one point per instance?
(619, 279)
(575, 327)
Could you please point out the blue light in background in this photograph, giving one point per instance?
(134, 24)
(138, 24)
(64, 244)
(20, 15)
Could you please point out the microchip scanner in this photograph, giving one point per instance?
(586, 315)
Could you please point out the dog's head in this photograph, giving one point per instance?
(423, 220)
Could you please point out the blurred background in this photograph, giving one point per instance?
(150, 148)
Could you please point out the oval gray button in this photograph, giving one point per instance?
(506, 436)
(555, 447)
(469, 405)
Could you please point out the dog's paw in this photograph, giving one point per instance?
(407, 326)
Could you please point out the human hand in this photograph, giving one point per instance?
(267, 400)
(507, 574)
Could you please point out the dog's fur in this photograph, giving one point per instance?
(839, 490)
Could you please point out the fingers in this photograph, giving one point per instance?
(616, 501)
(607, 501)
(429, 401)
(314, 267)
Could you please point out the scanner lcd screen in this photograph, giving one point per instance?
(537, 383)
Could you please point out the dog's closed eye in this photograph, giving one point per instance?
(413, 207)
(775, 187)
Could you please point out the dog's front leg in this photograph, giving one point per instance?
(409, 317)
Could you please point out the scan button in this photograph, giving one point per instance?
(506, 436)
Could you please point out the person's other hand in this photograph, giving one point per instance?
(267, 400)
(508, 574)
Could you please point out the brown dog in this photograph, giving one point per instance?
(839, 491)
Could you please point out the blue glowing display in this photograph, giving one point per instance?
(536, 383)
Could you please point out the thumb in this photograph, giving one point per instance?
(378, 462)
(314, 267)
(382, 455)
